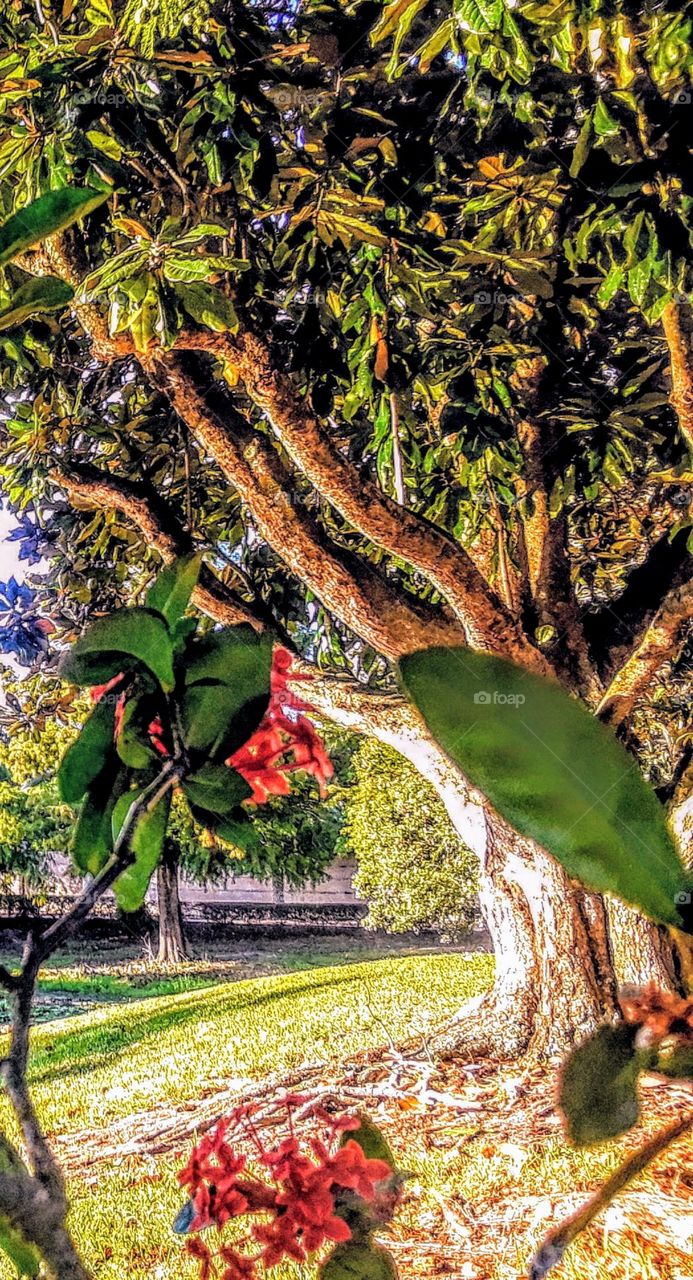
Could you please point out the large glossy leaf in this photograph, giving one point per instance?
(146, 842)
(36, 297)
(550, 768)
(52, 212)
(217, 788)
(87, 756)
(227, 689)
(130, 637)
(598, 1093)
(171, 592)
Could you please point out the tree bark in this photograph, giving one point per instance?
(172, 943)
(554, 980)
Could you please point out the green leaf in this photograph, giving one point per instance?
(227, 689)
(217, 788)
(45, 293)
(21, 1253)
(89, 753)
(357, 1261)
(42, 218)
(605, 126)
(598, 1090)
(146, 843)
(133, 743)
(208, 306)
(170, 594)
(552, 770)
(371, 1140)
(129, 637)
(236, 828)
(92, 839)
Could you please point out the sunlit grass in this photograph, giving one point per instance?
(100, 1066)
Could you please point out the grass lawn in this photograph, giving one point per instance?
(92, 1070)
(486, 1179)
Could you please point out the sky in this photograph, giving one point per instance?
(9, 562)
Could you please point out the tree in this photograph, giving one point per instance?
(34, 823)
(413, 870)
(389, 316)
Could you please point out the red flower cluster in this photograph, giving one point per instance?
(298, 1204)
(658, 1014)
(284, 741)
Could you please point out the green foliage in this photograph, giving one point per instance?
(191, 700)
(146, 842)
(45, 216)
(598, 1094)
(21, 1253)
(36, 297)
(218, 714)
(413, 869)
(130, 639)
(556, 773)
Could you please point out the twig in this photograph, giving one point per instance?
(557, 1241)
(45, 1191)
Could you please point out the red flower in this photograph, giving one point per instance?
(198, 1249)
(298, 1205)
(284, 741)
(238, 1266)
(351, 1168)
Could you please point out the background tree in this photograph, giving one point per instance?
(389, 315)
(413, 870)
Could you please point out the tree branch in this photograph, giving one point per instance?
(46, 1187)
(657, 645)
(557, 1241)
(400, 532)
(86, 486)
(677, 323)
(370, 605)
(623, 622)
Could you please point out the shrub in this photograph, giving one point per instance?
(413, 869)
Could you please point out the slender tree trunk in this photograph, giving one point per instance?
(172, 943)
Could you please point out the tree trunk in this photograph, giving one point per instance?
(172, 944)
(554, 973)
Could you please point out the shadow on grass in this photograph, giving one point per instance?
(86, 1049)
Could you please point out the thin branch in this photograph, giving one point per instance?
(48, 1223)
(557, 1241)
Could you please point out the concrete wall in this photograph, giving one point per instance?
(335, 889)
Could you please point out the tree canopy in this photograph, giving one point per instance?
(384, 309)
